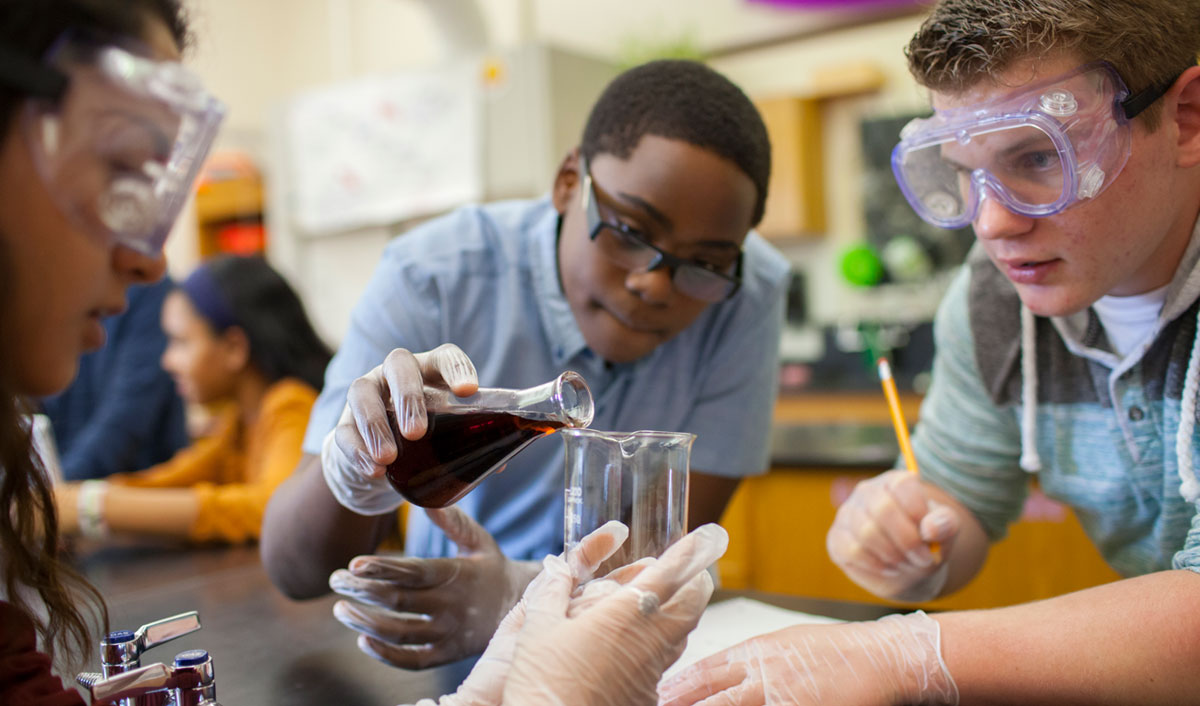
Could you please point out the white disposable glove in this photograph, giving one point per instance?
(614, 652)
(485, 684)
(895, 660)
(415, 613)
(881, 538)
(356, 453)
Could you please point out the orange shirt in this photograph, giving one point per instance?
(234, 471)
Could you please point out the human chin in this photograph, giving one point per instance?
(1050, 301)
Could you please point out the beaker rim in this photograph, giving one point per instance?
(622, 435)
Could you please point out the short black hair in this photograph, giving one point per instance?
(681, 100)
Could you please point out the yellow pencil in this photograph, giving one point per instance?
(893, 398)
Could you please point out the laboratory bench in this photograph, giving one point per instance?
(269, 650)
(822, 445)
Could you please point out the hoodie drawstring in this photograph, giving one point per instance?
(1189, 484)
(1030, 460)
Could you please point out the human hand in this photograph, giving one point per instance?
(415, 613)
(894, 660)
(357, 451)
(614, 652)
(484, 686)
(881, 537)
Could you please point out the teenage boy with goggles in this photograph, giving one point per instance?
(1068, 134)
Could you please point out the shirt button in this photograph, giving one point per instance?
(1136, 413)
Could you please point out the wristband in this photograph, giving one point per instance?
(91, 509)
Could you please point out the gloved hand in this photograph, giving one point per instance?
(357, 451)
(484, 686)
(415, 613)
(881, 538)
(894, 660)
(614, 652)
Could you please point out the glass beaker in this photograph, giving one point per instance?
(639, 478)
(469, 438)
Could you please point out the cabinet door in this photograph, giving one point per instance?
(777, 525)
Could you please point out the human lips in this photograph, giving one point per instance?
(1028, 270)
(632, 322)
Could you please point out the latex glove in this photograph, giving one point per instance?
(613, 653)
(415, 613)
(895, 660)
(356, 453)
(881, 534)
(484, 686)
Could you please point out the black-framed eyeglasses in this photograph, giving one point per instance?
(630, 249)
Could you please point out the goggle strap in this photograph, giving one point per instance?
(1135, 104)
(30, 76)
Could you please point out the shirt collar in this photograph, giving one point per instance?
(558, 322)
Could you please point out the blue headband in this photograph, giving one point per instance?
(206, 296)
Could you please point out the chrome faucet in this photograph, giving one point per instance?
(189, 682)
(121, 666)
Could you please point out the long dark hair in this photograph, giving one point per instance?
(256, 298)
(30, 552)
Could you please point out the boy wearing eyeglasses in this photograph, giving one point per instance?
(639, 272)
(1067, 133)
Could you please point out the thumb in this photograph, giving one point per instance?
(468, 535)
(940, 524)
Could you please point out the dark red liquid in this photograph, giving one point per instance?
(457, 452)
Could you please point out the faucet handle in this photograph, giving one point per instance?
(134, 683)
(121, 650)
(160, 631)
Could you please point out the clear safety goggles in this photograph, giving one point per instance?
(118, 138)
(1036, 151)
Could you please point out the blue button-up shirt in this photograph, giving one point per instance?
(485, 278)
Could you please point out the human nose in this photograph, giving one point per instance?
(995, 220)
(136, 267)
(653, 285)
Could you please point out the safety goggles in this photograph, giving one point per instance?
(117, 137)
(630, 250)
(1036, 151)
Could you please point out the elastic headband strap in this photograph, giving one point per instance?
(202, 289)
(1135, 104)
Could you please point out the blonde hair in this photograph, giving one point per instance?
(963, 42)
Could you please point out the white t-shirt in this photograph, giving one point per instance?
(1129, 321)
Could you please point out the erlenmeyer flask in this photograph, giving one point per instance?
(469, 438)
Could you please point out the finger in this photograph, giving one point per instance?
(406, 572)
(402, 376)
(940, 525)
(389, 626)
(890, 531)
(683, 560)
(448, 364)
(349, 443)
(402, 656)
(385, 594)
(591, 551)
(466, 533)
(695, 684)
(687, 605)
(366, 402)
(547, 596)
(627, 573)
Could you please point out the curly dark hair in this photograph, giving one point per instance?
(681, 100)
(965, 41)
(31, 560)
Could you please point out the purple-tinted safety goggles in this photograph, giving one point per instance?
(1037, 151)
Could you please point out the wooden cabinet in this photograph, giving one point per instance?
(777, 525)
(229, 206)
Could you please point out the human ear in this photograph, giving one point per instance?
(565, 181)
(237, 348)
(1187, 117)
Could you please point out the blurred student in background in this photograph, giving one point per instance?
(122, 412)
(240, 343)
